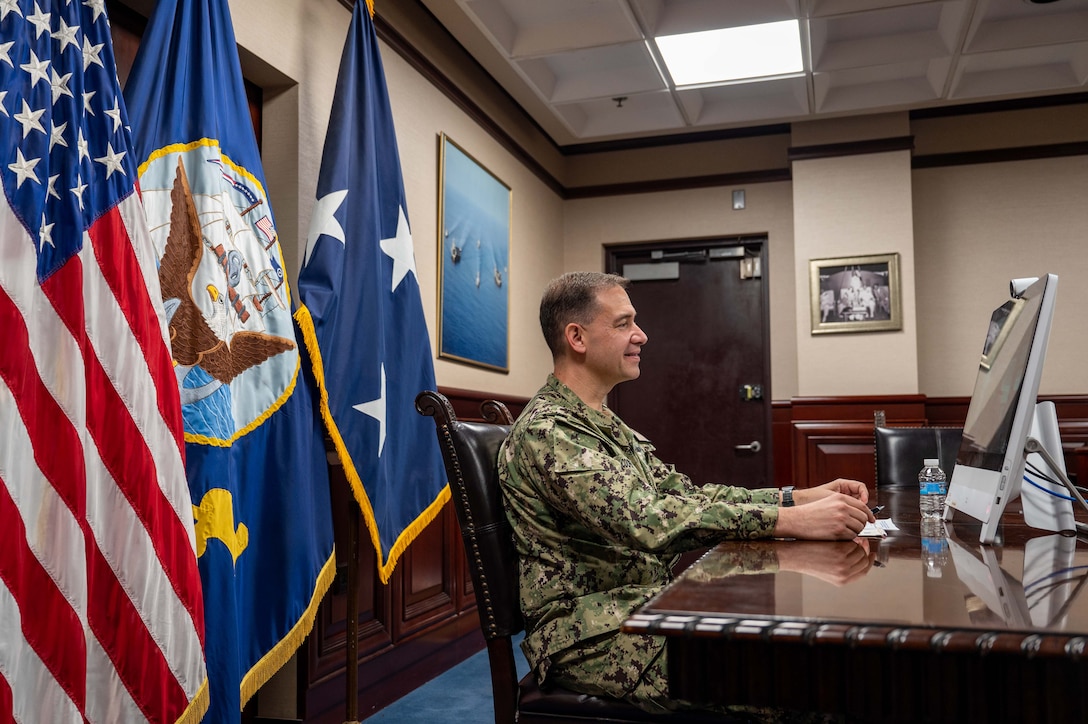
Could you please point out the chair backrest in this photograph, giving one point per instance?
(900, 452)
(470, 451)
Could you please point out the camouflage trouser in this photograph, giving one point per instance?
(613, 666)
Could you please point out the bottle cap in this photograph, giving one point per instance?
(932, 463)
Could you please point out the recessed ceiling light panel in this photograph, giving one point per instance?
(729, 54)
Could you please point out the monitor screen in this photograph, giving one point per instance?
(990, 463)
(999, 383)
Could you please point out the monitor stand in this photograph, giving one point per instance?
(1043, 450)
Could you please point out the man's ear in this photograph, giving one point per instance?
(575, 337)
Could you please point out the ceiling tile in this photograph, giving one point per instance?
(672, 17)
(1022, 72)
(763, 102)
(525, 29)
(825, 8)
(916, 32)
(594, 73)
(1006, 24)
(638, 114)
(881, 87)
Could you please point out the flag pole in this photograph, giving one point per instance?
(351, 700)
(352, 695)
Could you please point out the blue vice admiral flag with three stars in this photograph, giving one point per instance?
(255, 458)
(361, 312)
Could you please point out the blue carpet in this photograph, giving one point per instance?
(461, 695)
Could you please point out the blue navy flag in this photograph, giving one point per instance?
(361, 313)
(255, 457)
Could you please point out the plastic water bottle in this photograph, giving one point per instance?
(932, 487)
(934, 546)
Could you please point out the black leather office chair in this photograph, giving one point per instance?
(470, 451)
(900, 452)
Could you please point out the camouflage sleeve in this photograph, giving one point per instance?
(672, 480)
(628, 503)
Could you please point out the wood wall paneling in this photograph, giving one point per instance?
(818, 439)
(418, 625)
(428, 585)
(782, 442)
(832, 437)
(824, 451)
(898, 409)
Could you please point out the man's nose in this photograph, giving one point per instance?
(640, 337)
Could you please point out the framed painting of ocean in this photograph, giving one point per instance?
(473, 261)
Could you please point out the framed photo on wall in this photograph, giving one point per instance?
(855, 294)
(474, 209)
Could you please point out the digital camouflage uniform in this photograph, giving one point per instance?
(597, 521)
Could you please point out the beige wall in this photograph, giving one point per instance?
(848, 206)
(421, 113)
(592, 223)
(845, 207)
(977, 227)
(299, 76)
(962, 231)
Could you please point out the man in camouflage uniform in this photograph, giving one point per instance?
(598, 518)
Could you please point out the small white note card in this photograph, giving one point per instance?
(878, 529)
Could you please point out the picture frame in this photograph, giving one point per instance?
(855, 294)
(474, 213)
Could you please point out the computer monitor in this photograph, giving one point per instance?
(1003, 416)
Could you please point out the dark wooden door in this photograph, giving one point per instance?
(703, 397)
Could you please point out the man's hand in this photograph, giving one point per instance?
(841, 485)
(837, 563)
(832, 516)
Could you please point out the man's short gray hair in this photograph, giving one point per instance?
(572, 298)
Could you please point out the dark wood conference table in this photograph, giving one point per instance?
(903, 628)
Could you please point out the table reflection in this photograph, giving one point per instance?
(946, 579)
(834, 562)
(778, 622)
(1038, 593)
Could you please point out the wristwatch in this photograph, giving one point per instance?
(787, 496)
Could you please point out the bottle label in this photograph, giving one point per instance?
(934, 545)
(933, 487)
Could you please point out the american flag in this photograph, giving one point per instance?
(100, 601)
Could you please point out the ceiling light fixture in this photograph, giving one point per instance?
(729, 54)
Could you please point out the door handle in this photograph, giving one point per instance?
(751, 392)
(753, 446)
